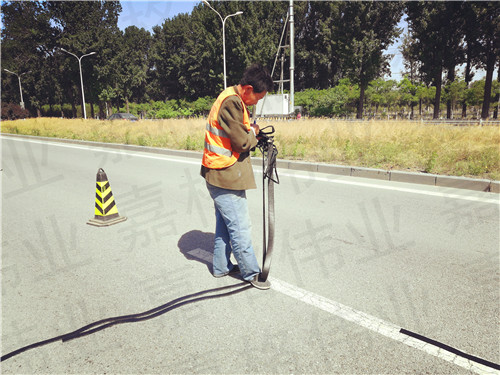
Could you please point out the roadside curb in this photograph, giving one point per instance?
(397, 176)
(343, 170)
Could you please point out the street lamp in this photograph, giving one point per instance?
(223, 35)
(81, 77)
(20, 89)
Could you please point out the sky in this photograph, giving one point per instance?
(147, 13)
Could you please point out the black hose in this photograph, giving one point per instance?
(270, 173)
(150, 314)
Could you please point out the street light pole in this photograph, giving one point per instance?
(223, 35)
(20, 89)
(81, 77)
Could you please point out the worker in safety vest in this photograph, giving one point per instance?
(228, 172)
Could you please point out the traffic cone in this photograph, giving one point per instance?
(106, 212)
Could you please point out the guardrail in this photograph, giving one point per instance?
(457, 122)
(480, 122)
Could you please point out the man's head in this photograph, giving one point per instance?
(254, 85)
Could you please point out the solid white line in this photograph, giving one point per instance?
(376, 325)
(391, 187)
(103, 149)
(395, 188)
(362, 319)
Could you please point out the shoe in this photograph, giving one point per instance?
(258, 283)
(233, 270)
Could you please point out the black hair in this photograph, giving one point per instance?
(258, 77)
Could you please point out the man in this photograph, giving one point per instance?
(228, 172)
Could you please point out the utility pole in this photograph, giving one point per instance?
(223, 36)
(20, 89)
(81, 77)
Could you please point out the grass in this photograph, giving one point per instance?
(471, 151)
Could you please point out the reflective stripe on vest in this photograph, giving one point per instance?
(218, 152)
(217, 132)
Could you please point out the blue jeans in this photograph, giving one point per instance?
(232, 233)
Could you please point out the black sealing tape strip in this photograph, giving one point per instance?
(450, 349)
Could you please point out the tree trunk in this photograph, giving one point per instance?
(449, 102)
(102, 116)
(497, 96)
(437, 98)
(490, 67)
(73, 105)
(359, 115)
(468, 78)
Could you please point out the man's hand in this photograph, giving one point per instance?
(255, 128)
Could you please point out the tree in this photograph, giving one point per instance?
(474, 95)
(368, 29)
(488, 15)
(408, 93)
(256, 34)
(317, 60)
(455, 93)
(471, 37)
(425, 95)
(436, 33)
(378, 92)
(171, 54)
(497, 96)
(411, 64)
(27, 40)
(82, 27)
(132, 64)
(334, 101)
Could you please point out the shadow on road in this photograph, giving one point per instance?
(199, 246)
(150, 314)
(195, 245)
(198, 240)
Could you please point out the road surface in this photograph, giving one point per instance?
(355, 261)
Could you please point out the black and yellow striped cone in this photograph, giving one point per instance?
(106, 212)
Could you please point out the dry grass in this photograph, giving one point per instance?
(402, 145)
(176, 134)
(442, 149)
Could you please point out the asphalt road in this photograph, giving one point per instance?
(355, 260)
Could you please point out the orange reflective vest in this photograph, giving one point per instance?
(218, 152)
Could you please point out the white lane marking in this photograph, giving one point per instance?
(138, 153)
(375, 324)
(362, 319)
(396, 188)
(103, 149)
